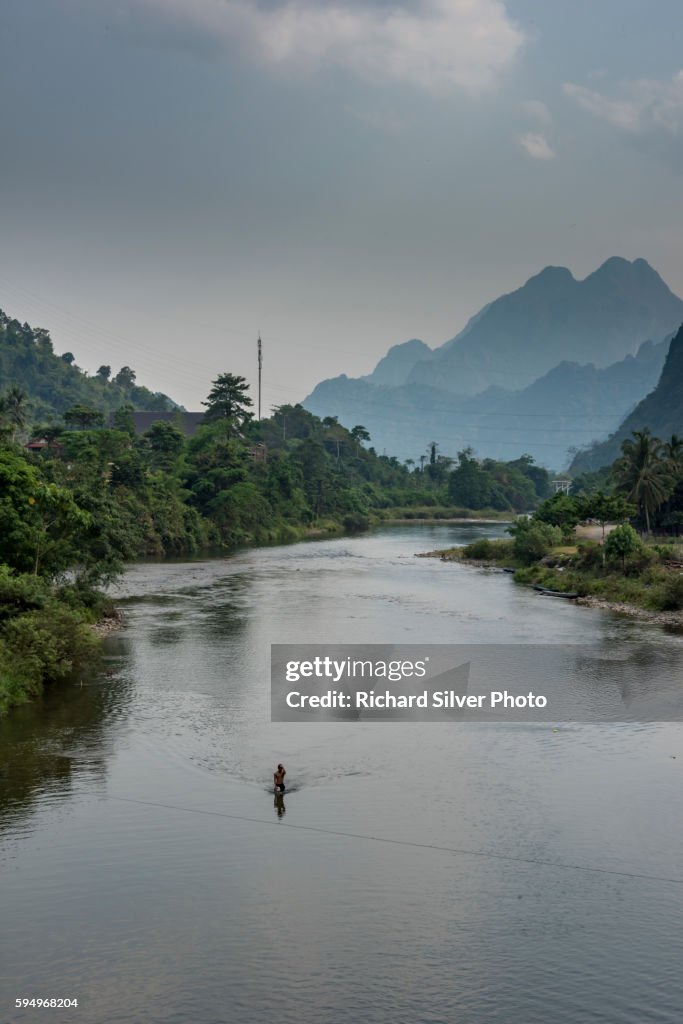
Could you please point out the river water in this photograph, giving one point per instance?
(417, 872)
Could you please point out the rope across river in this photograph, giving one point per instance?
(460, 851)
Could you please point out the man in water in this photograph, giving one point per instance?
(279, 778)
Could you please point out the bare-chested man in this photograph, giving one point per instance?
(279, 779)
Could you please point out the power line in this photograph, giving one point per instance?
(157, 363)
(405, 842)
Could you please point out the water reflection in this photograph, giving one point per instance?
(62, 737)
(279, 805)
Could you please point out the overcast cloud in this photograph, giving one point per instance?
(639, 106)
(180, 174)
(437, 45)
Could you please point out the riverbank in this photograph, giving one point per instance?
(443, 520)
(653, 594)
(112, 621)
(674, 619)
(48, 634)
(439, 514)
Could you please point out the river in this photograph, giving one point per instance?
(417, 872)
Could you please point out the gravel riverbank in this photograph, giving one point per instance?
(109, 624)
(672, 619)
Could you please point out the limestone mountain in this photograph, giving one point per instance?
(661, 411)
(554, 317)
(395, 367)
(567, 407)
(562, 333)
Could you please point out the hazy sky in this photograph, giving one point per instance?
(179, 174)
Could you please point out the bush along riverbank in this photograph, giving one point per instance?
(47, 634)
(608, 566)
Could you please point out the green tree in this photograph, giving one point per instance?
(479, 484)
(49, 432)
(438, 470)
(164, 442)
(468, 484)
(104, 372)
(229, 403)
(560, 510)
(39, 522)
(125, 378)
(672, 451)
(606, 508)
(623, 542)
(539, 476)
(310, 456)
(533, 539)
(643, 473)
(13, 410)
(359, 433)
(83, 416)
(241, 512)
(360, 436)
(336, 436)
(123, 419)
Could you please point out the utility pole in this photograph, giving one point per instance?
(260, 367)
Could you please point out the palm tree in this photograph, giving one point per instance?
(644, 472)
(673, 453)
(14, 409)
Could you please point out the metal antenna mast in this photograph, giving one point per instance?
(259, 345)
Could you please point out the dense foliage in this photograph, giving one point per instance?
(504, 486)
(55, 384)
(94, 496)
(632, 559)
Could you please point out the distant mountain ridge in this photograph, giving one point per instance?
(552, 321)
(565, 408)
(661, 411)
(395, 367)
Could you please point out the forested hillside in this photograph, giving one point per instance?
(55, 383)
(661, 412)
